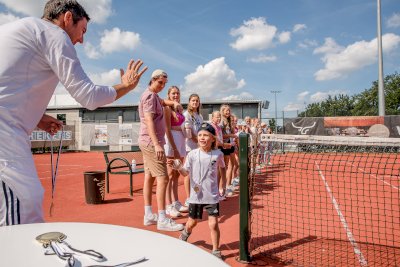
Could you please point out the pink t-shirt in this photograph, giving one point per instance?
(150, 102)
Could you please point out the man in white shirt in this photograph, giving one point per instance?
(35, 55)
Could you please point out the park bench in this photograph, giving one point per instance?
(119, 162)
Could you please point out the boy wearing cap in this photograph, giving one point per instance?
(202, 166)
(151, 142)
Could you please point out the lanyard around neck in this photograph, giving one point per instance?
(202, 178)
(54, 169)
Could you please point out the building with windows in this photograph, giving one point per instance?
(116, 127)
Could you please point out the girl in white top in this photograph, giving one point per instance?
(174, 149)
(194, 120)
(229, 156)
(202, 165)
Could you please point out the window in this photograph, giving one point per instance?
(62, 117)
(250, 110)
(130, 115)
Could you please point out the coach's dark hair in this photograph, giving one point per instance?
(54, 8)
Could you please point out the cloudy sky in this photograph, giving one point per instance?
(231, 49)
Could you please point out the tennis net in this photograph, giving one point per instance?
(321, 201)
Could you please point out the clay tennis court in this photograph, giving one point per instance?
(328, 209)
(119, 208)
(305, 207)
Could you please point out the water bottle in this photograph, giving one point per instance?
(188, 130)
(133, 165)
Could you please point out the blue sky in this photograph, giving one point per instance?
(307, 49)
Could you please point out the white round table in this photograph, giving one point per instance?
(118, 244)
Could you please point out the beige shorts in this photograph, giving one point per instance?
(153, 166)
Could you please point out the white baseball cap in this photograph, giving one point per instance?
(158, 73)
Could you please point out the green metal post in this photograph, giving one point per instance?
(244, 254)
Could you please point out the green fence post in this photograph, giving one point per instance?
(244, 254)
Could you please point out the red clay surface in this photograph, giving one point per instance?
(293, 219)
(328, 209)
(119, 208)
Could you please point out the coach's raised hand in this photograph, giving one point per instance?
(129, 78)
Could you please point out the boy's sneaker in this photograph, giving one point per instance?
(169, 225)
(217, 253)
(229, 191)
(179, 207)
(184, 235)
(149, 220)
(187, 202)
(171, 211)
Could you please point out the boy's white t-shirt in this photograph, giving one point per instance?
(203, 172)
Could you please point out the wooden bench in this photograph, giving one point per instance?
(119, 162)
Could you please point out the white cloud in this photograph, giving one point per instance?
(241, 96)
(99, 10)
(110, 78)
(299, 27)
(284, 37)
(26, 7)
(117, 40)
(341, 61)
(253, 34)
(329, 47)
(307, 43)
(293, 107)
(262, 59)
(320, 96)
(302, 96)
(5, 18)
(91, 51)
(213, 80)
(394, 21)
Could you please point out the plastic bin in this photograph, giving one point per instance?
(94, 186)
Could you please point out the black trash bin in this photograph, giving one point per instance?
(94, 186)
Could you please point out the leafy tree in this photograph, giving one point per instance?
(363, 104)
(272, 124)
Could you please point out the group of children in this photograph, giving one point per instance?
(205, 154)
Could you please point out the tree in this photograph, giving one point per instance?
(363, 104)
(366, 103)
(272, 124)
(340, 105)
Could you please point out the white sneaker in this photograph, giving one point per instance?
(229, 191)
(187, 202)
(169, 225)
(149, 220)
(172, 211)
(179, 207)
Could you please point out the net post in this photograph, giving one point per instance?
(244, 254)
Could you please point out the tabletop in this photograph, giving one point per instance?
(118, 244)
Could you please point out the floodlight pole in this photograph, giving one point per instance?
(381, 88)
(276, 111)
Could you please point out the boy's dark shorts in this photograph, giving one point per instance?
(196, 210)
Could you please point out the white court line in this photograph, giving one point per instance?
(377, 178)
(356, 248)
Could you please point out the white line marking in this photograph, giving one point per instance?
(377, 178)
(356, 248)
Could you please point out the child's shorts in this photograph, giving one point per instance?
(196, 210)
